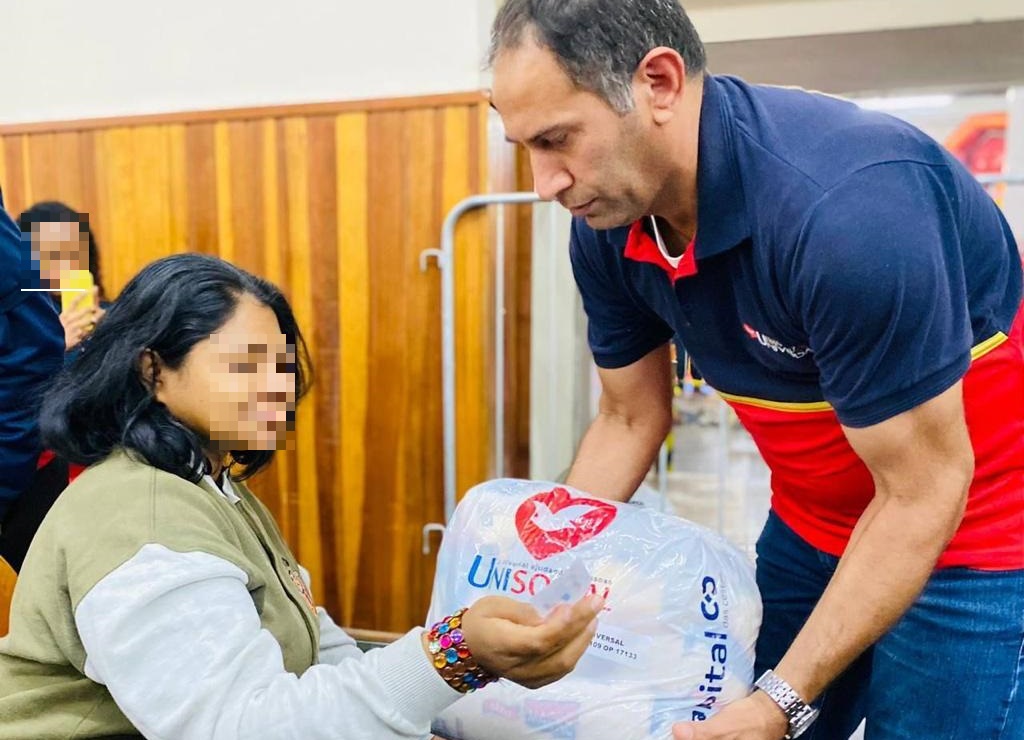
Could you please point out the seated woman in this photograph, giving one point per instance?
(158, 597)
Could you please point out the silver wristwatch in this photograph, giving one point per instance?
(799, 714)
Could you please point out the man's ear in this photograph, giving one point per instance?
(661, 77)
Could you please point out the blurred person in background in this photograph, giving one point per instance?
(62, 240)
(31, 348)
(62, 245)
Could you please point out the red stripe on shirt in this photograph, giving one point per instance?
(820, 487)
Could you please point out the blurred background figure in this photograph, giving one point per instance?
(65, 248)
(66, 259)
(30, 354)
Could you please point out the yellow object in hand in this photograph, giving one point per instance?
(72, 284)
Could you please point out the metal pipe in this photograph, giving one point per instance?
(499, 347)
(445, 262)
(1000, 179)
(427, 529)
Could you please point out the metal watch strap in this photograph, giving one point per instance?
(799, 714)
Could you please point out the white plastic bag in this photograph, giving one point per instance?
(675, 642)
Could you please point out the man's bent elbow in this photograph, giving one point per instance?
(957, 476)
(963, 473)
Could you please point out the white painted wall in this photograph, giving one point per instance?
(72, 59)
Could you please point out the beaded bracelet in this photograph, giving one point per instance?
(452, 657)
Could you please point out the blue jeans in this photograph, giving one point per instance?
(952, 668)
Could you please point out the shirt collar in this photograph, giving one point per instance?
(641, 247)
(721, 205)
(225, 490)
(722, 221)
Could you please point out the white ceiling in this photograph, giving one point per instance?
(970, 57)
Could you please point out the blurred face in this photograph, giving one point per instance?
(59, 246)
(600, 165)
(236, 388)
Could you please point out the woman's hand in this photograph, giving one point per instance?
(80, 318)
(511, 640)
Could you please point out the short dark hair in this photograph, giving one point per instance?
(101, 401)
(600, 43)
(48, 211)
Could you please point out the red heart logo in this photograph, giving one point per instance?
(544, 534)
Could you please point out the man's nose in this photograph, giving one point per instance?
(550, 177)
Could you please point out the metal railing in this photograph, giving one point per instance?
(445, 259)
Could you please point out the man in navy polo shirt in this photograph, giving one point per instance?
(855, 296)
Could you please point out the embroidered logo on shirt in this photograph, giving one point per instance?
(796, 351)
(303, 588)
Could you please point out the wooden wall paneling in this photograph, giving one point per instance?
(383, 506)
(201, 176)
(323, 331)
(3, 170)
(306, 538)
(41, 159)
(115, 151)
(414, 102)
(353, 247)
(422, 449)
(270, 194)
(178, 189)
(429, 394)
(95, 163)
(7, 581)
(222, 177)
(90, 202)
(69, 175)
(86, 166)
(151, 216)
(17, 188)
(28, 191)
(473, 309)
(244, 141)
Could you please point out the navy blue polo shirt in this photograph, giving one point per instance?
(31, 352)
(845, 267)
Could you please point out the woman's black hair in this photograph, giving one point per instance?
(50, 211)
(101, 401)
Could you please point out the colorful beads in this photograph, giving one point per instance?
(452, 658)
